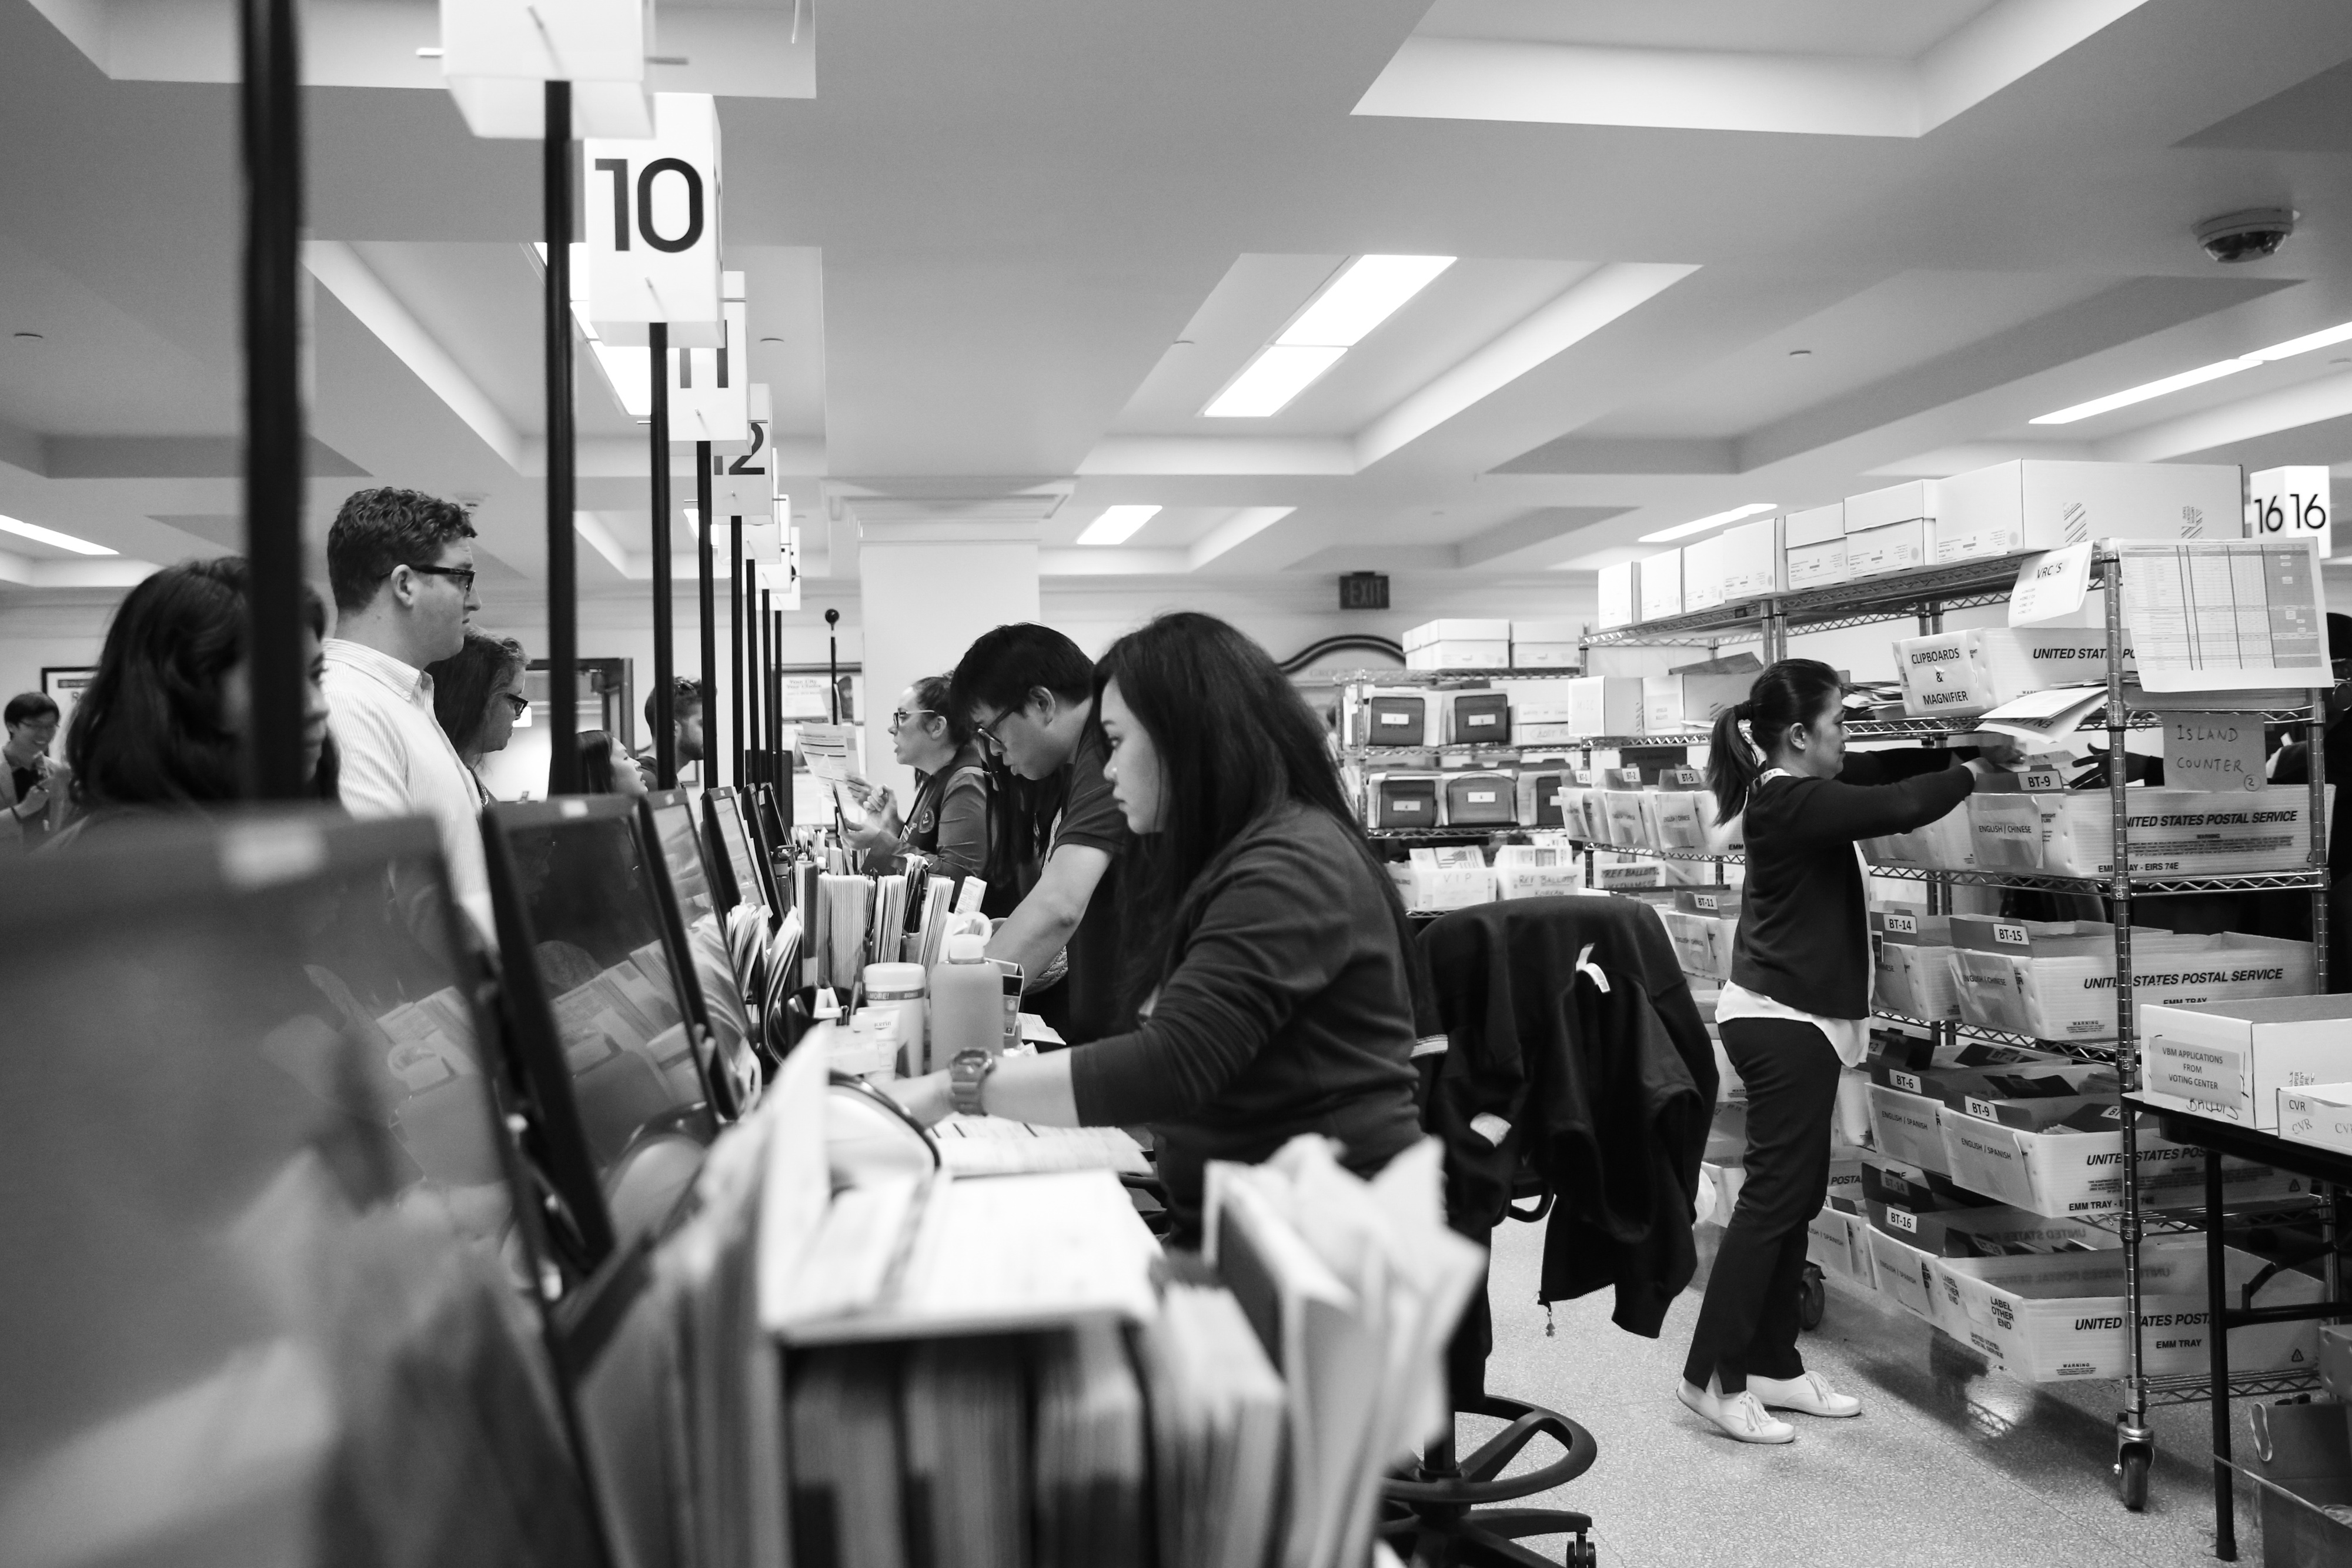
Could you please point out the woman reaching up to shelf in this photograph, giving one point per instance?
(1797, 1009)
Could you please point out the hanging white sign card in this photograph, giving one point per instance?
(2290, 503)
(742, 483)
(652, 227)
(498, 54)
(709, 399)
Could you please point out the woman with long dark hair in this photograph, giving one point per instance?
(948, 817)
(1797, 1009)
(478, 695)
(605, 766)
(1268, 950)
(162, 724)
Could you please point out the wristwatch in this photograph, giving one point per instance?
(966, 1074)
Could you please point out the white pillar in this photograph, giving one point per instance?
(928, 589)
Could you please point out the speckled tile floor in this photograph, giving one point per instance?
(1949, 1464)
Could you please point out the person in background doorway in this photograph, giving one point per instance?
(1028, 693)
(34, 792)
(478, 695)
(161, 725)
(949, 818)
(1272, 956)
(605, 767)
(686, 724)
(402, 565)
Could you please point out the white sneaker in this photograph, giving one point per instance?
(1736, 1416)
(1810, 1393)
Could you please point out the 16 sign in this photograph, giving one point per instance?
(653, 227)
(2289, 503)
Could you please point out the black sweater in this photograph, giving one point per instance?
(1803, 917)
(1288, 1012)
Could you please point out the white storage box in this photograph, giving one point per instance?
(1703, 574)
(1947, 843)
(2320, 1114)
(1614, 871)
(2229, 1060)
(2069, 1172)
(1661, 584)
(1898, 546)
(1748, 559)
(2056, 980)
(2060, 1316)
(1905, 1273)
(1839, 1243)
(1621, 819)
(1546, 644)
(1690, 701)
(1425, 886)
(1619, 595)
(1812, 546)
(1458, 644)
(1915, 966)
(2174, 832)
(1537, 871)
(1605, 704)
(1950, 673)
(1908, 1127)
(2031, 504)
(1910, 502)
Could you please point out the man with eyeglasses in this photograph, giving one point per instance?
(1030, 694)
(402, 571)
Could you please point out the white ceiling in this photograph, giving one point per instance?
(1000, 256)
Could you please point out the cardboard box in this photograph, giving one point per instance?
(2056, 980)
(1703, 574)
(1431, 887)
(2061, 1316)
(1661, 584)
(2035, 505)
(1909, 502)
(1814, 526)
(1619, 595)
(1457, 645)
(1614, 871)
(1953, 674)
(1605, 704)
(2173, 832)
(2063, 1172)
(1537, 871)
(1690, 701)
(1989, 1230)
(2229, 1060)
(2320, 1114)
(1747, 558)
(1546, 644)
(1456, 631)
(1822, 565)
(1896, 547)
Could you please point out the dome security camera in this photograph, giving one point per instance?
(2249, 235)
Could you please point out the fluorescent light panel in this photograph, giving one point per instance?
(51, 536)
(2323, 339)
(1365, 293)
(1700, 525)
(1368, 291)
(1270, 381)
(1117, 525)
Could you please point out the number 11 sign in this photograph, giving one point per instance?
(2291, 504)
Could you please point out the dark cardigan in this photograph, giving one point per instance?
(1803, 917)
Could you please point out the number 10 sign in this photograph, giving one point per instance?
(2292, 504)
(653, 227)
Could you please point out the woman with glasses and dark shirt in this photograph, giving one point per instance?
(948, 817)
(1269, 954)
(478, 695)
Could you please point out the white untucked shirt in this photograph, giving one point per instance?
(397, 762)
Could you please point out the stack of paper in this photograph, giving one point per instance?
(889, 922)
(1218, 1413)
(846, 905)
(1089, 1455)
(990, 1145)
(931, 929)
(846, 1505)
(1353, 1287)
(966, 1409)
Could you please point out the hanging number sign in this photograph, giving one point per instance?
(2289, 503)
(652, 227)
(741, 482)
(709, 399)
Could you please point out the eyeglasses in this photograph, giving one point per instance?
(899, 717)
(463, 576)
(519, 703)
(986, 729)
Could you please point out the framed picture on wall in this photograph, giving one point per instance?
(63, 684)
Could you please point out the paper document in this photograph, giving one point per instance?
(990, 1145)
(830, 750)
(2051, 585)
(2048, 716)
(2216, 615)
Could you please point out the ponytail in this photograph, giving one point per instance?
(1792, 691)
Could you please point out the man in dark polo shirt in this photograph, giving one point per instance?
(1030, 694)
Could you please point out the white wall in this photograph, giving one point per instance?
(924, 601)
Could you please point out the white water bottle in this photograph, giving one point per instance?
(967, 1003)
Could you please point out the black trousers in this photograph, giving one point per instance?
(1747, 1323)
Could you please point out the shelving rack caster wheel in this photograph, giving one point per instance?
(1582, 1554)
(2132, 1460)
(1812, 1297)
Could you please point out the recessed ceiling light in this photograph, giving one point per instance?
(51, 536)
(1117, 525)
(1267, 382)
(1700, 525)
(1366, 292)
(2198, 377)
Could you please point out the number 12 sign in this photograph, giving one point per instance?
(2292, 504)
(653, 227)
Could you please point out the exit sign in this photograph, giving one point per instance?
(1363, 590)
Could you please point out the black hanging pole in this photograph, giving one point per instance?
(776, 645)
(833, 662)
(563, 564)
(665, 655)
(735, 641)
(271, 113)
(768, 694)
(704, 561)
